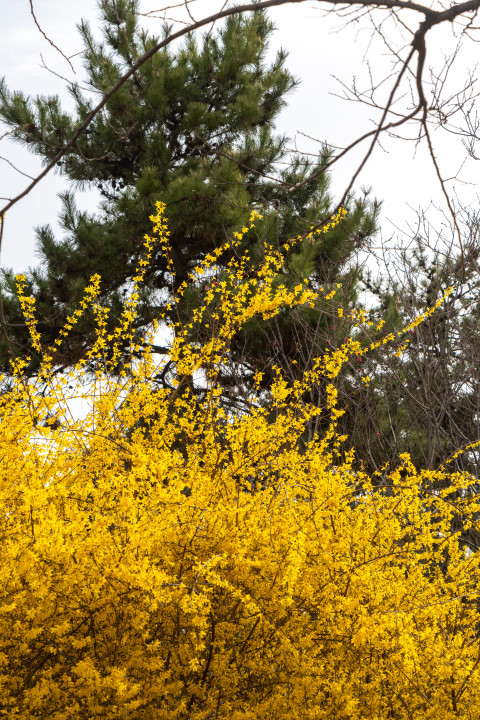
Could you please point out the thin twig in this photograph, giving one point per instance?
(47, 38)
(431, 19)
(15, 168)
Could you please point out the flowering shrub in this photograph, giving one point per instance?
(162, 557)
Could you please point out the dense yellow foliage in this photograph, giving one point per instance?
(162, 558)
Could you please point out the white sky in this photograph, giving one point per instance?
(403, 181)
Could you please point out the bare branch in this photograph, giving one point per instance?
(431, 18)
(15, 167)
(47, 38)
(446, 196)
(65, 79)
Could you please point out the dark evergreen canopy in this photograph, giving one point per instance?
(193, 127)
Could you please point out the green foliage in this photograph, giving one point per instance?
(194, 127)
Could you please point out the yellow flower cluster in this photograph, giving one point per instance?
(28, 308)
(162, 558)
(320, 230)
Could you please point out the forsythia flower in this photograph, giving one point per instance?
(162, 557)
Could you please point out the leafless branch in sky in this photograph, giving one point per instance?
(412, 96)
(32, 11)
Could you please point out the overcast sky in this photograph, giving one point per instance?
(403, 180)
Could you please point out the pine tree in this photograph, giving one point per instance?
(195, 128)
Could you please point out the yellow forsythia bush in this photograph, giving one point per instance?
(162, 558)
